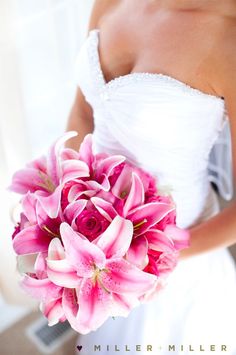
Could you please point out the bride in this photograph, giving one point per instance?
(155, 80)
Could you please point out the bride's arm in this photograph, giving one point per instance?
(81, 115)
(220, 230)
(80, 120)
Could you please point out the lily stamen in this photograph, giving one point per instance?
(50, 232)
(47, 182)
(140, 224)
(123, 194)
(95, 277)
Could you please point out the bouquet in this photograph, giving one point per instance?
(95, 238)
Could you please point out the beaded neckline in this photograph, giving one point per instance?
(125, 79)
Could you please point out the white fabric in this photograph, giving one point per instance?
(220, 163)
(168, 128)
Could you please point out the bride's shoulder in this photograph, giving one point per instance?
(227, 35)
(224, 48)
(100, 9)
(224, 61)
(220, 62)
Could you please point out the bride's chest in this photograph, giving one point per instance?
(172, 46)
(153, 106)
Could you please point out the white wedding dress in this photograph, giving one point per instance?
(167, 128)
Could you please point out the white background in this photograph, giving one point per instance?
(39, 41)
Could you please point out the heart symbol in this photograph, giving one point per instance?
(79, 347)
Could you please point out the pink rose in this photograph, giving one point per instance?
(91, 223)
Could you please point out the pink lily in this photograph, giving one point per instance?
(38, 285)
(42, 174)
(101, 166)
(45, 175)
(143, 216)
(180, 237)
(38, 230)
(97, 271)
(122, 177)
(53, 311)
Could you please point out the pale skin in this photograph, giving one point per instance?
(193, 41)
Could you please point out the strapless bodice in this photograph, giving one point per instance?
(158, 123)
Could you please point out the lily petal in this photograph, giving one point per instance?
(94, 185)
(68, 153)
(72, 169)
(51, 203)
(73, 210)
(39, 164)
(25, 263)
(28, 203)
(43, 220)
(137, 252)
(53, 311)
(71, 309)
(56, 250)
(80, 188)
(159, 241)
(31, 240)
(116, 239)
(167, 262)
(106, 165)
(123, 182)
(42, 290)
(27, 180)
(123, 304)
(136, 195)
(59, 270)
(180, 237)
(105, 208)
(122, 277)
(95, 305)
(85, 152)
(61, 273)
(40, 266)
(53, 166)
(82, 254)
(150, 214)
